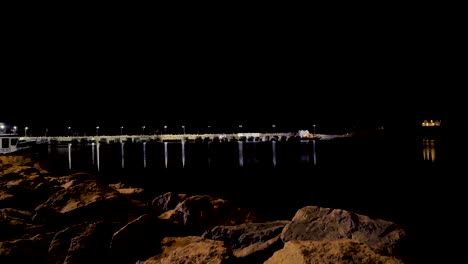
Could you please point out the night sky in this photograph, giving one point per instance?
(257, 74)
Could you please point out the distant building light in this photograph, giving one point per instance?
(431, 123)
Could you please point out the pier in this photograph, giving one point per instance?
(164, 137)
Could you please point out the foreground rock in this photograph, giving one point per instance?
(16, 223)
(338, 251)
(167, 201)
(252, 242)
(29, 249)
(326, 224)
(78, 219)
(202, 212)
(82, 243)
(141, 238)
(191, 249)
(87, 201)
(23, 184)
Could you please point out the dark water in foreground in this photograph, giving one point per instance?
(416, 181)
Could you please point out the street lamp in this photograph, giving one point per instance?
(69, 131)
(97, 131)
(14, 129)
(273, 126)
(26, 131)
(165, 129)
(143, 127)
(121, 130)
(183, 129)
(209, 129)
(314, 130)
(2, 127)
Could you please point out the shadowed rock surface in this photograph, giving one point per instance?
(251, 242)
(89, 200)
(82, 243)
(80, 219)
(192, 249)
(317, 223)
(344, 251)
(167, 201)
(29, 249)
(199, 213)
(141, 238)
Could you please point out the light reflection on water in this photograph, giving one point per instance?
(429, 150)
(96, 156)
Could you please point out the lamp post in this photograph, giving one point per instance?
(121, 130)
(2, 127)
(143, 127)
(183, 130)
(240, 128)
(165, 129)
(97, 131)
(15, 128)
(273, 127)
(209, 129)
(69, 131)
(26, 131)
(313, 130)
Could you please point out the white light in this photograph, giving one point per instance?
(2, 126)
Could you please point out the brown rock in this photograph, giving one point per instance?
(142, 237)
(196, 250)
(6, 199)
(75, 179)
(338, 251)
(259, 252)
(14, 222)
(167, 201)
(251, 242)
(316, 223)
(89, 200)
(82, 243)
(202, 212)
(32, 249)
(244, 235)
(27, 191)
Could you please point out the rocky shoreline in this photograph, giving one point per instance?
(80, 219)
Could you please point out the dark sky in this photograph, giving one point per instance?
(256, 72)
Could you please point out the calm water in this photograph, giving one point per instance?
(416, 181)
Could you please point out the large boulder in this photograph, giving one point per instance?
(7, 199)
(251, 242)
(25, 191)
(167, 201)
(191, 249)
(199, 213)
(141, 238)
(244, 235)
(15, 223)
(338, 251)
(317, 223)
(75, 179)
(86, 201)
(81, 243)
(30, 249)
